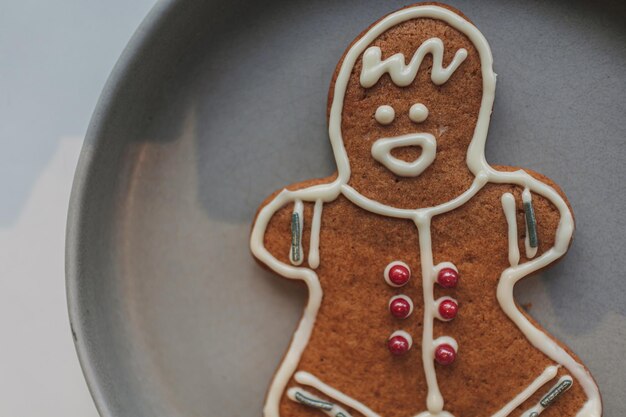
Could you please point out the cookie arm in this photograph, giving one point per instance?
(276, 240)
(547, 219)
(291, 234)
(536, 211)
(288, 223)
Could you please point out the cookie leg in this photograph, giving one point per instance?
(311, 380)
(563, 384)
(546, 376)
(306, 398)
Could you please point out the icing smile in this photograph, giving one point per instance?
(381, 151)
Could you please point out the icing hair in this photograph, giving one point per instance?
(403, 74)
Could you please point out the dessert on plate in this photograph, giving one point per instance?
(411, 251)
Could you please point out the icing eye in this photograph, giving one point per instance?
(418, 113)
(384, 114)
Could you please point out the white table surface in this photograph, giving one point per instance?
(54, 60)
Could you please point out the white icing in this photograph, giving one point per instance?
(436, 306)
(530, 252)
(298, 209)
(385, 114)
(478, 166)
(445, 340)
(404, 334)
(381, 151)
(314, 241)
(429, 414)
(418, 113)
(378, 208)
(538, 408)
(407, 299)
(401, 73)
(508, 206)
(306, 378)
(388, 268)
(434, 399)
(547, 375)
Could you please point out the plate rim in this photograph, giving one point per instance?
(139, 41)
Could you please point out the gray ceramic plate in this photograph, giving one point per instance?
(214, 105)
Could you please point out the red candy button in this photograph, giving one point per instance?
(445, 354)
(400, 306)
(399, 343)
(448, 309)
(448, 278)
(397, 274)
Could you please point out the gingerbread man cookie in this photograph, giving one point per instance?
(411, 251)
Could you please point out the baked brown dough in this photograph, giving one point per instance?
(333, 234)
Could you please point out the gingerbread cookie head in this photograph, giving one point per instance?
(409, 110)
